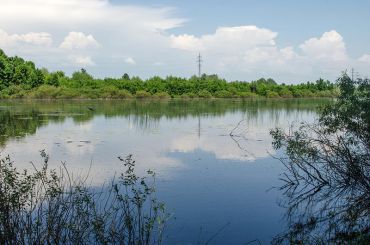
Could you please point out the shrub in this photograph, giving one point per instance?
(45, 92)
(68, 93)
(223, 94)
(204, 94)
(114, 93)
(307, 93)
(286, 93)
(326, 93)
(188, 95)
(124, 94)
(141, 94)
(247, 95)
(162, 95)
(13, 91)
(272, 94)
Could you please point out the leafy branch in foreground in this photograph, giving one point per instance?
(327, 182)
(49, 207)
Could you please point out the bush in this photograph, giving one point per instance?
(247, 95)
(113, 92)
(13, 92)
(188, 95)
(141, 94)
(162, 95)
(272, 94)
(124, 94)
(326, 93)
(286, 93)
(68, 93)
(307, 93)
(45, 92)
(223, 94)
(204, 94)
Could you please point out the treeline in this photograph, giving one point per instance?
(22, 79)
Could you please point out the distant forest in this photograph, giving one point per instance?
(22, 79)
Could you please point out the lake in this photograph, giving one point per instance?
(219, 187)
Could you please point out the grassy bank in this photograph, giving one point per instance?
(53, 92)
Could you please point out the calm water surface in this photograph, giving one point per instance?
(218, 187)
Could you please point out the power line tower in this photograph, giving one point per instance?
(199, 61)
(355, 74)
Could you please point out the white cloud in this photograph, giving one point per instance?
(226, 39)
(250, 51)
(240, 49)
(82, 61)
(365, 58)
(32, 38)
(130, 61)
(186, 42)
(79, 40)
(119, 28)
(237, 52)
(329, 46)
(92, 13)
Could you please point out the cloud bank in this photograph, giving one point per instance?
(115, 39)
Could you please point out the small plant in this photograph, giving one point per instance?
(48, 207)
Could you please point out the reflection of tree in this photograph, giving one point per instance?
(19, 118)
(15, 125)
(327, 183)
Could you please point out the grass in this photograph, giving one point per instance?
(49, 207)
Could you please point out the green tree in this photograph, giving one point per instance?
(126, 77)
(328, 171)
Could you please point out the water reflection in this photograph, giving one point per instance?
(205, 177)
(83, 131)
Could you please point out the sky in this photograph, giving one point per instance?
(290, 41)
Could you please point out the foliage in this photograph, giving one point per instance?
(142, 94)
(327, 184)
(204, 94)
(16, 72)
(48, 207)
(272, 94)
(162, 95)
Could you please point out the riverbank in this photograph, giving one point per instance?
(54, 92)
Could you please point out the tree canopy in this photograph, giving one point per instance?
(20, 78)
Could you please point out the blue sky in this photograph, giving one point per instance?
(291, 41)
(295, 20)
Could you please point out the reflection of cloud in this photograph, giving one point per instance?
(79, 147)
(254, 145)
(86, 126)
(101, 140)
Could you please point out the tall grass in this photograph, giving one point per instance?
(49, 207)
